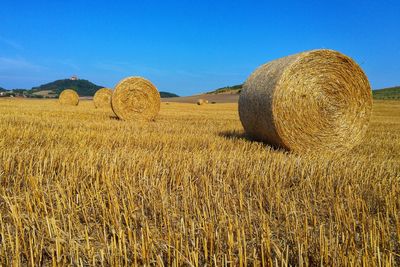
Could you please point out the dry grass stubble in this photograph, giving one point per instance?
(78, 188)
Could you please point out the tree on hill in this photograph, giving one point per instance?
(82, 87)
(237, 88)
(387, 93)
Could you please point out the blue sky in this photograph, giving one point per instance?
(188, 47)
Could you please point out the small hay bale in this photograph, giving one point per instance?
(136, 98)
(102, 98)
(201, 102)
(69, 97)
(312, 101)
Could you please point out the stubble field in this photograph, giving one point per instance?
(78, 186)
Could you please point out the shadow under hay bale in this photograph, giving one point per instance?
(235, 135)
(114, 117)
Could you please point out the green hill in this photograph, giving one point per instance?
(2, 89)
(82, 87)
(167, 94)
(387, 93)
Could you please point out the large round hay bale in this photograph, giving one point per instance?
(135, 98)
(69, 97)
(312, 101)
(102, 98)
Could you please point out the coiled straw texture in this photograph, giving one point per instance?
(102, 98)
(69, 97)
(136, 98)
(318, 100)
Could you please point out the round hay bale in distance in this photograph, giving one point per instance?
(69, 97)
(135, 98)
(102, 98)
(318, 100)
(201, 102)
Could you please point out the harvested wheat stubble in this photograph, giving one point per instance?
(312, 101)
(69, 97)
(102, 98)
(136, 98)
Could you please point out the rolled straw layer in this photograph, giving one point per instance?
(136, 98)
(102, 98)
(311, 101)
(69, 97)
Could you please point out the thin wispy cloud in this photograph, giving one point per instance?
(112, 67)
(11, 43)
(206, 74)
(129, 68)
(71, 64)
(18, 63)
(189, 74)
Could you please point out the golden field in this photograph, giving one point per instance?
(79, 187)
